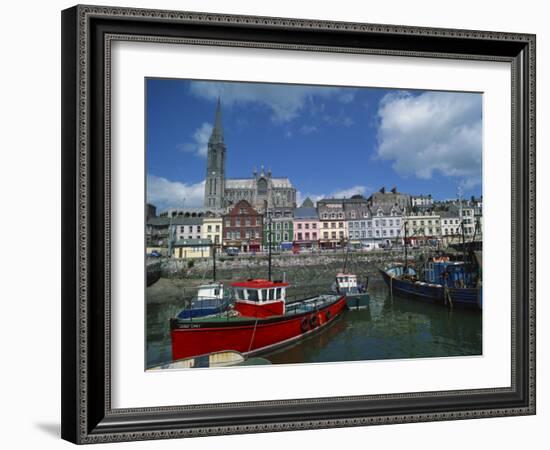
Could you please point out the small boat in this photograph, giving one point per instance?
(210, 299)
(355, 292)
(219, 359)
(450, 283)
(259, 321)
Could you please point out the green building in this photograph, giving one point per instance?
(279, 221)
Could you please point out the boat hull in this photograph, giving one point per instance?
(461, 297)
(249, 336)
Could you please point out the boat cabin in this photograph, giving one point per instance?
(213, 290)
(260, 298)
(346, 280)
(453, 274)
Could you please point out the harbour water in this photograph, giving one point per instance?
(391, 327)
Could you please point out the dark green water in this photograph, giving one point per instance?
(390, 328)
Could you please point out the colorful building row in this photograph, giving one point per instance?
(331, 223)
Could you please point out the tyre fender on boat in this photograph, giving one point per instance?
(327, 315)
(304, 324)
(314, 321)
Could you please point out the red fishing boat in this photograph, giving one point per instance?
(260, 320)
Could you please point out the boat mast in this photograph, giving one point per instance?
(269, 245)
(461, 223)
(406, 256)
(214, 261)
(346, 251)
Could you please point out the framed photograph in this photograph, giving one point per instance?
(281, 224)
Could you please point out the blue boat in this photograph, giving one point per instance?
(210, 299)
(450, 283)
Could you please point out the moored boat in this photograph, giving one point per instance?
(445, 282)
(210, 299)
(260, 320)
(355, 292)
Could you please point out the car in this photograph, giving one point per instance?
(155, 254)
(232, 251)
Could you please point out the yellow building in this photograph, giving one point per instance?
(212, 229)
(192, 248)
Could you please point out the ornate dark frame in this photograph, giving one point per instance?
(87, 31)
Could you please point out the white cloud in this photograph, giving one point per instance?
(199, 144)
(164, 193)
(308, 129)
(285, 101)
(434, 131)
(339, 119)
(346, 97)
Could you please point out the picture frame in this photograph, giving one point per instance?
(87, 412)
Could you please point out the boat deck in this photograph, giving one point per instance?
(292, 309)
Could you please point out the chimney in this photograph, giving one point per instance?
(383, 190)
(394, 190)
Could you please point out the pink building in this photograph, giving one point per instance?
(306, 227)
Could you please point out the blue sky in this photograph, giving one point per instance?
(330, 141)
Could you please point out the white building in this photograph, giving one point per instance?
(423, 226)
(387, 223)
(423, 201)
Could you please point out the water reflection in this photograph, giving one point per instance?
(390, 328)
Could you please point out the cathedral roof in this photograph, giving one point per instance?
(240, 183)
(250, 183)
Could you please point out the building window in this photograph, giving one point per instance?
(314, 226)
(299, 226)
(299, 236)
(306, 226)
(333, 225)
(314, 236)
(325, 225)
(209, 228)
(217, 228)
(340, 224)
(325, 234)
(333, 234)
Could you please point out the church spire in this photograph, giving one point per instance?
(217, 132)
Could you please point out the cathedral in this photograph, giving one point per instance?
(262, 190)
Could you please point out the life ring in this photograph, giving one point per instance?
(314, 321)
(304, 324)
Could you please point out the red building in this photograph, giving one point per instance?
(242, 228)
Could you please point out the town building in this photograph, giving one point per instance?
(242, 227)
(387, 223)
(358, 217)
(332, 220)
(279, 221)
(187, 227)
(422, 201)
(212, 229)
(263, 191)
(392, 198)
(157, 232)
(423, 227)
(184, 212)
(450, 222)
(192, 248)
(306, 226)
(150, 211)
